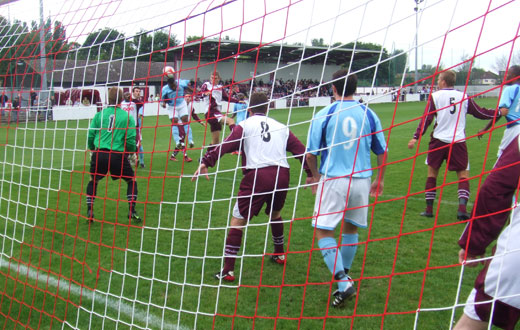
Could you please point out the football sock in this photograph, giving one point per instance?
(431, 183)
(463, 195)
(233, 242)
(329, 250)
(131, 195)
(182, 133)
(277, 233)
(348, 252)
(91, 194)
(187, 129)
(175, 133)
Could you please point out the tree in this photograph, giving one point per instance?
(104, 44)
(396, 66)
(463, 69)
(428, 70)
(500, 64)
(399, 61)
(193, 38)
(318, 42)
(476, 74)
(150, 45)
(57, 42)
(516, 58)
(365, 63)
(465, 63)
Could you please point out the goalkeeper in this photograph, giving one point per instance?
(111, 134)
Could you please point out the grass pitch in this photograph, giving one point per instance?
(55, 268)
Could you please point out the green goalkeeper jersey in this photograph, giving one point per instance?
(112, 129)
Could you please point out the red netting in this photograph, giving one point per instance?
(63, 267)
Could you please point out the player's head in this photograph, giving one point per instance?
(241, 96)
(258, 103)
(513, 74)
(449, 77)
(126, 96)
(344, 85)
(171, 83)
(136, 91)
(214, 78)
(115, 96)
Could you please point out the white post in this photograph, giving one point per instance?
(43, 55)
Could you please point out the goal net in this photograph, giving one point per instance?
(61, 267)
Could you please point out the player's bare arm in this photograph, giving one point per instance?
(312, 162)
(376, 189)
(501, 112)
(469, 259)
(201, 170)
(411, 143)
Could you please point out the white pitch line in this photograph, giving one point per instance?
(114, 304)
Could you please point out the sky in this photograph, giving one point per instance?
(448, 30)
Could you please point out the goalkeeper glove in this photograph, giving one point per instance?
(132, 158)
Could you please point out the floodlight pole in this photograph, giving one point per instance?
(42, 54)
(417, 2)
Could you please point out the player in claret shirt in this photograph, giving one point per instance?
(495, 297)
(448, 107)
(264, 143)
(214, 94)
(111, 136)
(129, 106)
(136, 98)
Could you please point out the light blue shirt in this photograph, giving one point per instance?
(168, 95)
(175, 97)
(241, 110)
(349, 124)
(181, 85)
(510, 99)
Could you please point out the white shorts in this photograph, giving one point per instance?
(331, 204)
(469, 308)
(236, 212)
(509, 135)
(177, 111)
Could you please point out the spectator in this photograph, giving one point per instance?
(15, 109)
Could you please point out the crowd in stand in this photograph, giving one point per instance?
(303, 90)
(299, 92)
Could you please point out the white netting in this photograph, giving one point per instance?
(58, 60)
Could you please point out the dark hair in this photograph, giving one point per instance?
(115, 96)
(172, 81)
(345, 86)
(258, 103)
(133, 89)
(513, 73)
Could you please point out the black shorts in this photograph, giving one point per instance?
(104, 160)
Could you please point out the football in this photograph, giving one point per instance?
(169, 72)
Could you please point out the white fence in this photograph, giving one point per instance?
(155, 108)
